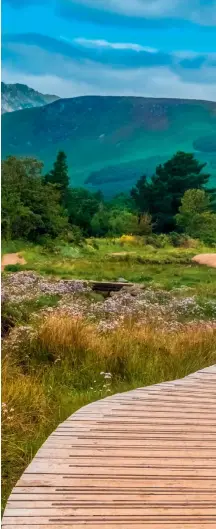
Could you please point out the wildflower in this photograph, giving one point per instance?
(58, 359)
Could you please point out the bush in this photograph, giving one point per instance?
(13, 267)
(76, 235)
(195, 217)
(7, 320)
(157, 241)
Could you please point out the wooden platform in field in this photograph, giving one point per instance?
(141, 459)
(109, 286)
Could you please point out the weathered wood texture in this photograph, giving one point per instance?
(141, 459)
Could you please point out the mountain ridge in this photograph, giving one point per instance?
(108, 139)
(18, 96)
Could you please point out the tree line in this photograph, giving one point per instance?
(38, 207)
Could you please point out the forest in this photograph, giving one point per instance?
(40, 208)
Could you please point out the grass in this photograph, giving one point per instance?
(51, 365)
(12, 246)
(109, 259)
(55, 369)
(20, 313)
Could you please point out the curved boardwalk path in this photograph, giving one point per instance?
(141, 459)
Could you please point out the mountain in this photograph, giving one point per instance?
(111, 141)
(18, 96)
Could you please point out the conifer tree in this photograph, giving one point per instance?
(161, 196)
(59, 175)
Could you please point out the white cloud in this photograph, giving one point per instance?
(47, 84)
(113, 45)
(76, 73)
(100, 80)
(201, 11)
(133, 8)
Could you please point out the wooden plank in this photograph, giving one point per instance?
(134, 443)
(120, 512)
(30, 523)
(109, 497)
(123, 454)
(145, 458)
(125, 462)
(176, 480)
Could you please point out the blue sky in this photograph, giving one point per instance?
(154, 48)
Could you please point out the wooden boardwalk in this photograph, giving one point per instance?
(141, 459)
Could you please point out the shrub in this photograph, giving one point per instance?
(13, 267)
(195, 217)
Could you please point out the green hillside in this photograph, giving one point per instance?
(111, 141)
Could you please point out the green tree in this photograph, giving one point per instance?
(82, 206)
(145, 226)
(122, 201)
(122, 222)
(100, 222)
(195, 217)
(59, 175)
(161, 196)
(30, 209)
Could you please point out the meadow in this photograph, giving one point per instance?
(158, 263)
(66, 346)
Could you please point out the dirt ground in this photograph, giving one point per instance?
(208, 259)
(11, 259)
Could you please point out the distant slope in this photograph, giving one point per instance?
(19, 96)
(111, 141)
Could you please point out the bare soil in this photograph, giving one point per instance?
(12, 259)
(208, 259)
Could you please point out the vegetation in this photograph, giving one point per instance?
(30, 208)
(57, 357)
(82, 206)
(161, 196)
(35, 207)
(55, 368)
(59, 176)
(117, 141)
(195, 216)
(151, 260)
(59, 341)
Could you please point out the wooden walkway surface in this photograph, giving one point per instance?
(141, 459)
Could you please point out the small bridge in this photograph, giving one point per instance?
(109, 286)
(141, 459)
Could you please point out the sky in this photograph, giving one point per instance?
(152, 48)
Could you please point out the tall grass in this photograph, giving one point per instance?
(49, 373)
